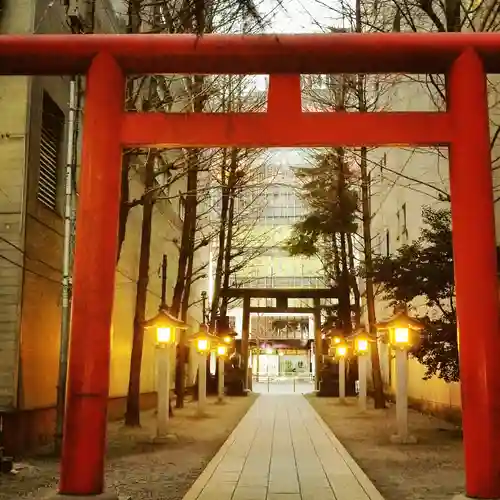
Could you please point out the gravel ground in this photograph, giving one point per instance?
(138, 469)
(432, 469)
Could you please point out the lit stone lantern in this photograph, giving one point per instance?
(403, 334)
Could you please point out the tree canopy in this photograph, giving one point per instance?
(422, 273)
(329, 191)
(327, 188)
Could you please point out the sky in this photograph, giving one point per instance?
(298, 16)
(295, 16)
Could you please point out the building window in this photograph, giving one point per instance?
(50, 152)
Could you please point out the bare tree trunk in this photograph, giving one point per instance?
(338, 277)
(232, 180)
(336, 256)
(345, 286)
(187, 287)
(370, 296)
(133, 26)
(124, 204)
(186, 253)
(378, 388)
(187, 243)
(354, 283)
(345, 290)
(182, 285)
(214, 306)
(132, 415)
(227, 258)
(182, 349)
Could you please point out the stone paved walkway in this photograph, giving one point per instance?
(282, 450)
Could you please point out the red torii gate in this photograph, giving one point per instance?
(107, 59)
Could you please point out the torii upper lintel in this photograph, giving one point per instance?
(333, 53)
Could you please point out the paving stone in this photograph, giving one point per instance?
(222, 476)
(313, 482)
(284, 486)
(283, 496)
(231, 465)
(217, 491)
(317, 493)
(282, 451)
(250, 493)
(254, 480)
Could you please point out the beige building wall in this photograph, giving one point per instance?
(31, 239)
(433, 395)
(413, 179)
(16, 17)
(166, 229)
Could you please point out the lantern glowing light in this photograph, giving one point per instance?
(202, 345)
(401, 336)
(221, 350)
(341, 351)
(164, 335)
(362, 345)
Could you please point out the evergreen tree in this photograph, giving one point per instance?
(422, 272)
(327, 188)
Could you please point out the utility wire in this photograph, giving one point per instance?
(24, 268)
(34, 259)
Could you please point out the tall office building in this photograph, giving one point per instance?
(277, 209)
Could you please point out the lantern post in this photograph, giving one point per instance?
(402, 329)
(341, 353)
(222, 352)
(203, 343)
(362, 350)
(165, 325)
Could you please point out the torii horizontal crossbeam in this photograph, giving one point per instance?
(205, 130)
(248, 54)
(276, 293)
(278, 310)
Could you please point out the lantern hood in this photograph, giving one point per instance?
(165, 317)
(400, 320)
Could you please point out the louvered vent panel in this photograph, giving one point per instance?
(52, 129)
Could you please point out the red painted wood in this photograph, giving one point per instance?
(248, 54)
(276, 130)
(84, 442)
(475, 275)
(284, 99)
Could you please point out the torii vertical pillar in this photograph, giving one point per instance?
(84, 438)
(475, 274)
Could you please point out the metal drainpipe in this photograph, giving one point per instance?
(67, 251)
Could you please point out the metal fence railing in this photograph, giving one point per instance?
(299, 383)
